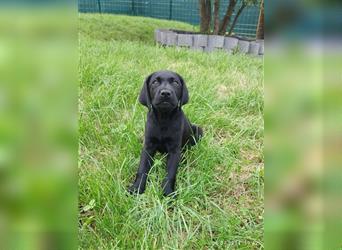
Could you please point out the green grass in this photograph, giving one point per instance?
(220, 181)
(125, 28)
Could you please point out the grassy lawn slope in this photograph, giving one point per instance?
(125, 28)
(220, 180)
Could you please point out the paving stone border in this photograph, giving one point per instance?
(208, 43)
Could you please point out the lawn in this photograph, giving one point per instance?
(220, 181)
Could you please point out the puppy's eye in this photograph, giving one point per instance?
(155, 82)
(176, 83)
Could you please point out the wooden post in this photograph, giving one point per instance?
(260, 28)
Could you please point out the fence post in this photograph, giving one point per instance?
(170, 11)
(99, 5)
(133, 7)
(150, 5)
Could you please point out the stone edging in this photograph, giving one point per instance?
(208, 43)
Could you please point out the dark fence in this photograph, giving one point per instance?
(180, 10)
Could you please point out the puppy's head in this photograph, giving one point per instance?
(164, 90)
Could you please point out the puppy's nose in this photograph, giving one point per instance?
(165, 93)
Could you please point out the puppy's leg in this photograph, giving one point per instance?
(197, 133)
(169, 182)
(146, 161)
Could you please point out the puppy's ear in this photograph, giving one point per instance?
(184, 94)
(144, 97)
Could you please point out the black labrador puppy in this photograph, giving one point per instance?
(167, 128)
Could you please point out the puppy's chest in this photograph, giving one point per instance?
(164, 134)
(164, 139)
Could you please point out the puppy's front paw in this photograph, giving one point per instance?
(168, 188)
(136, 189)
(169, 192)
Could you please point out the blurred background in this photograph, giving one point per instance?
(179, 10)
(303, 76)
(38, 125)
